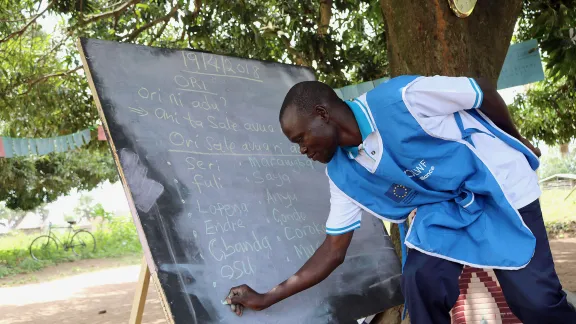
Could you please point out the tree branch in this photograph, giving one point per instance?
(112, 5)
(325, 16)
(116, 12)
(12, 21)
(297, 56)
(197, 6)
(33, 20)
(52, 75)
(183, 34)
(33, 82)
(194, 15)
(158, 33)
(54, 49)
(165, 19)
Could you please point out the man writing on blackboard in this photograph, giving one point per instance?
(444, 145)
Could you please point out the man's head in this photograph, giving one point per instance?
(307, 118)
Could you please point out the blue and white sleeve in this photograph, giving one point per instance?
(345, 215)
(442, 95)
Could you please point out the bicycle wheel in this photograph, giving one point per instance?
(82, 243)
(42, 247)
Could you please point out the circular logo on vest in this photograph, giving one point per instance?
(400, 191)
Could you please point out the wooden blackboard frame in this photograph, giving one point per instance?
(378, 292)
(140, 294)
(145, 247)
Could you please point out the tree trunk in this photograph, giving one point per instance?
(427, 38)
(325, 16)
(564, 150)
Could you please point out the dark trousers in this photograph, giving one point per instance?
(534, 293)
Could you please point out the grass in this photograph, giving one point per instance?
(115, 238)
(118, 239)
(70, 269)
(555, 208)
(559, 213)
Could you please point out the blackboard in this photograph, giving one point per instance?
(219, 195)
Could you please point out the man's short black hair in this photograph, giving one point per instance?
(304, 96)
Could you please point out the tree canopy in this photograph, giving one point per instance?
(547, 111)
(44, 93)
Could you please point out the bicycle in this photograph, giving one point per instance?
(79, 241)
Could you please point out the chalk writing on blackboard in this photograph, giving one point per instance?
(223, 198)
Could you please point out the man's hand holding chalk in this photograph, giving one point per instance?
(244, 296)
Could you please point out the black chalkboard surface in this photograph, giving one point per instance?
(220, 197)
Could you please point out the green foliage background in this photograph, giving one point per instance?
(43, 91)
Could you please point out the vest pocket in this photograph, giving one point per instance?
(466, 200)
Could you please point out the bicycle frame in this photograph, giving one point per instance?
(66, 242)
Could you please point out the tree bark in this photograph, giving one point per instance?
(325, 16)
(427, 38)
(564, 150)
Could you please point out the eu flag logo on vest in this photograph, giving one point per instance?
(398, 192)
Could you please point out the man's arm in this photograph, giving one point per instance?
(441, 96)
(323, 262)
(494, 107)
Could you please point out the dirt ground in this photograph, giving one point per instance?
(105, 296)
(78, 299)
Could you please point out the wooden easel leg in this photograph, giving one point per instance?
(140, 295)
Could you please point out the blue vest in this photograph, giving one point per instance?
(463, 214)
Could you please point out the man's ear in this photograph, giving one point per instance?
(322, 112)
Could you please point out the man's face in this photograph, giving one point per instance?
(317, 137)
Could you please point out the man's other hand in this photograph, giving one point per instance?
(529, 145)
(244, 296)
